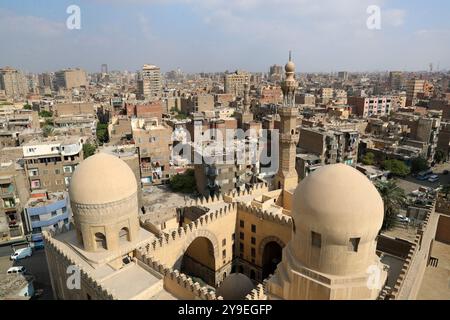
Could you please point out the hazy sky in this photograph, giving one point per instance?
(219, 35)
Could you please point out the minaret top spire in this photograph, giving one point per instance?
(289, 84)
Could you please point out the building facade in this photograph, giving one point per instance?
(49, 164)
(149, 82)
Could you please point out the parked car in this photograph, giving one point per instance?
(402, 218)
(424, 175)
(38, 245)
(433, 178)
(21, 253)
(16, 269)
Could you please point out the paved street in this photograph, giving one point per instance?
(410, 183)
(36, 265)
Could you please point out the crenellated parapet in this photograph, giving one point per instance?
(417, 253)
(180, 280)
(230, 195)
(94, 286)
(186, 231)
(278, 218)
(259, 293)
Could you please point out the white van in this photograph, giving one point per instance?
(21, 253)
(16, 270)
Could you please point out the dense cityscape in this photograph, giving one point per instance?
(160, 184)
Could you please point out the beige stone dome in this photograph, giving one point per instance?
(339, 199)
(235, 287)
(102, 178)
(104, 201)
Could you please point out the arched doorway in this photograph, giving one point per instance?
(271, 258)
(199, 262)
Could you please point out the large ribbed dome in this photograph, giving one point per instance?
(340, 201)
(100, 179)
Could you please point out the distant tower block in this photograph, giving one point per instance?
(104, 68)
(287, 177)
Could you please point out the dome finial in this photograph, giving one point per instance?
(290, 55)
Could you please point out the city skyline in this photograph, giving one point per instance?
(214, 36)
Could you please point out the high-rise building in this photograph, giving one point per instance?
(275, 73)
(414, 86)
(395, 80)
(70, 79)
(104, 68)
(149, 82)
(343, 75)
(45, 80)
(13, 82)
(235, 82)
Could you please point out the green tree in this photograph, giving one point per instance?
(393, 198)
(27, 106)
(368, 159)
(102, 132)
(47, 131)
(181, 116)
(45, 114)
(419, 164)
(184, 182)
(439, 156)
(88, 150)
(396, 167)
(446, 190)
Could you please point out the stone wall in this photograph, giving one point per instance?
(411, 275)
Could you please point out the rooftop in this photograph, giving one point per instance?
(10, 284)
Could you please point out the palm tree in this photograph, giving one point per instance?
(393, 197)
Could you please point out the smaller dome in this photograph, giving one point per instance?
(102, 178)
(290, 67)
(341, 200)
(235, 287)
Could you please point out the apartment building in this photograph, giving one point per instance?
(70, 79)
(49, 163)
(149, 84)
(70, 125)
(225, 168)
(414, 87)
(276, 73)
(371, 106)
(154, 142)
(147, 109)
(234, 82)
(14, 194)
(270, 95)
(305, 98)
(331, 146)
(119, 129)
(46, 211)
(423, 128)
(73, 109)
(197, 103)
(395, 80)
(326, 95)
(13, 82)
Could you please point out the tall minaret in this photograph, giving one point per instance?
(287, 177)
(245, 116)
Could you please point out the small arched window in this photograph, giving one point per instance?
(124, 235)
(100, 241)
